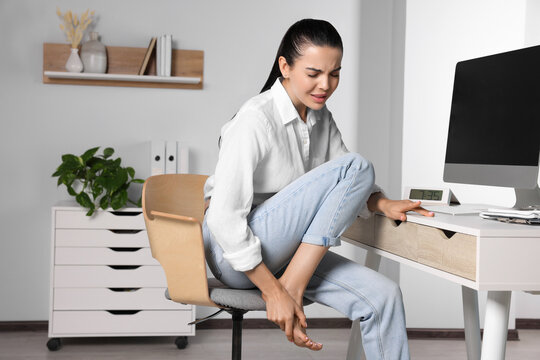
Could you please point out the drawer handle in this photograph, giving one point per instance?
(125, 213)
(447, 233)
(124, 267)
(124, 289)
(125, 249)
(395, 223)
(121, 231)
(123, 312)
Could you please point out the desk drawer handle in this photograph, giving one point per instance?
(395, 223)
(447, 233)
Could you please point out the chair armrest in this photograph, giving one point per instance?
(173, 216)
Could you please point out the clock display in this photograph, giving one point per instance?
(423, 194)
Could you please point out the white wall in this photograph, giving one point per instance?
(40, 122)
(439, 34)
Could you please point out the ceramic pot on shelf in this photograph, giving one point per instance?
(94, 55)
(74, 63)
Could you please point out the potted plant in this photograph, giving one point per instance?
(97, 181)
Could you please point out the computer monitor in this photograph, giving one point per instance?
(494, 130)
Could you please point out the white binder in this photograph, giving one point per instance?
(157, 158)
(183, 159)
(170, 157)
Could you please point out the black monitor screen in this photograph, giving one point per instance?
(495, 114)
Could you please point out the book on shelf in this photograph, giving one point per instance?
(147, 56)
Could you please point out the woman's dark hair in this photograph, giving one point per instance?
(302, 33)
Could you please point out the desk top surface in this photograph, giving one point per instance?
(475, 225)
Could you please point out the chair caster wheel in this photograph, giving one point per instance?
(54, 344)
(181, 342)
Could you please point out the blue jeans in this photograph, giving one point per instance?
(317, 208)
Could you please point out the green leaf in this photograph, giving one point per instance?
(119, 199)
(71, 162)
(71, 191)
(138, 181)
(89, 154)
(108, 152)
(119, 179)
(96, 190)
(131, 171)
(104, 202)
(84, 200)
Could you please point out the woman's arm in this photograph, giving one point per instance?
(394, 209)
(281, 308)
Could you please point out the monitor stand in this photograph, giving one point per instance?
(527, 199)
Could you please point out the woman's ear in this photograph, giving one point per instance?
(283, 67)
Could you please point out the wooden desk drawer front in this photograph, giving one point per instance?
(454, 253)
(396, 237)
(426, 245)
(159, 322)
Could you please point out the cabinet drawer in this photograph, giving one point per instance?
(451, 252)
(114, 299)
(106, 276)
(104, 323)
(101, 238)
(77, 219)
(103, 256)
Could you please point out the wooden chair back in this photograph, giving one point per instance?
(173, 208)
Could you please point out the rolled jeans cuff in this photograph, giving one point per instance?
(321, 240)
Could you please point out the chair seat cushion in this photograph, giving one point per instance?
(249, 299)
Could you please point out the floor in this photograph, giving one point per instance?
(215, 344)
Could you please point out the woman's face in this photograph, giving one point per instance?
(313, 77)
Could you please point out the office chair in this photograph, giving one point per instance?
(173, 208)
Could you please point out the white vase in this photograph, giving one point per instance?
(94, 55)
(74, 63)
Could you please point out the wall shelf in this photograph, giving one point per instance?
(122, 67)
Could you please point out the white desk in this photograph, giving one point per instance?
(478, 254)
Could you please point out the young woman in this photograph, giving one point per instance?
(286, 187)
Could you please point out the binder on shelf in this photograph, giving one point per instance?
(170, 157)
(147, 56)
(183, 159)
(157, 158)
(168, 54)
(159, 45)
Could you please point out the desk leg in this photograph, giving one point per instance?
(496, 325)
(472, 323)
(354, 351)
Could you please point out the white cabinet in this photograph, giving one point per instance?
(104, 281)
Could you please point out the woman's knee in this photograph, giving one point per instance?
(363, 166)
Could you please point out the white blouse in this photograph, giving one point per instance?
(263, 148)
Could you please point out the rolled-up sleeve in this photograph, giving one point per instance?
(243, 145)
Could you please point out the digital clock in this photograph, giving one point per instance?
(428, 196)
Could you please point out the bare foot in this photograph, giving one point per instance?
(300, 338)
